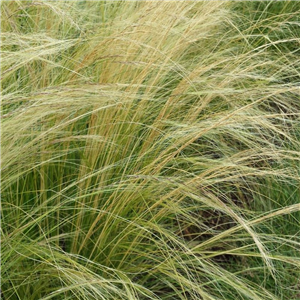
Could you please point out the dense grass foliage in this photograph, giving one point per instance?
(150, 150)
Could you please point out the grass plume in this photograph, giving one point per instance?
(150, 150)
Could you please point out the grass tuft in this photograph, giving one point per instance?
(150, 150)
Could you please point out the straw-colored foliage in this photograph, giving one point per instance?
(150, 150)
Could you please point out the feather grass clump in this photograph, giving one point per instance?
(150, 150)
